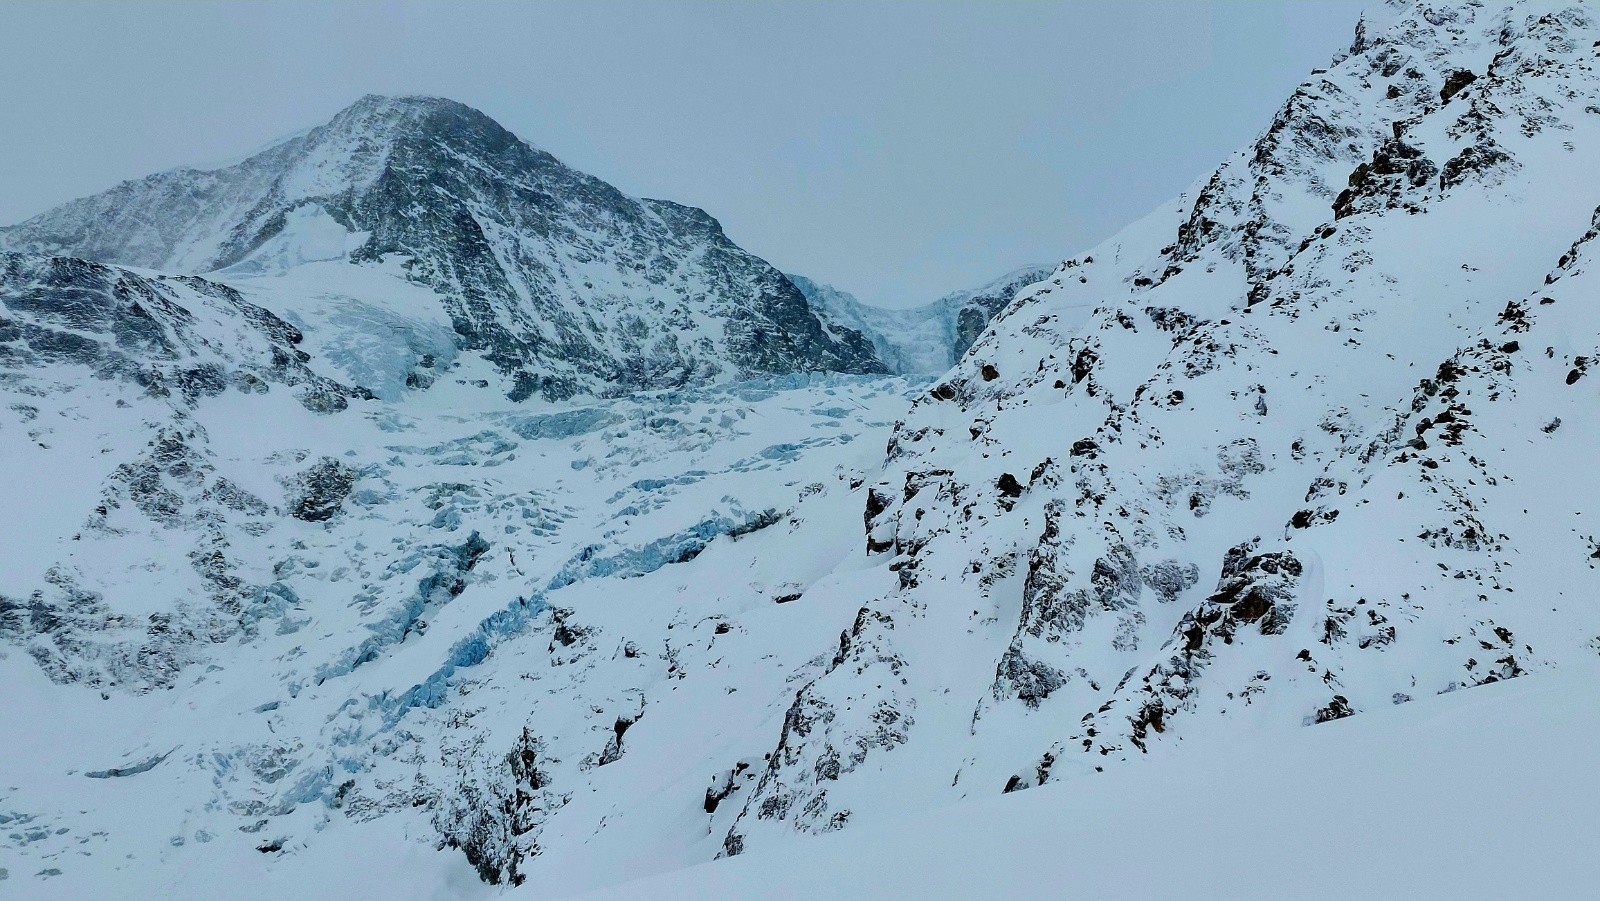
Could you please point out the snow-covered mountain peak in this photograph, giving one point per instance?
(350, 151)
(385, 114)
(563, 283)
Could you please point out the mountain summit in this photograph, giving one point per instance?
(564, 283)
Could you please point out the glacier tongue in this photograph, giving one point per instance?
(565, 284)
(920, 340)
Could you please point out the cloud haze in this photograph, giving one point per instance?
(896, 150)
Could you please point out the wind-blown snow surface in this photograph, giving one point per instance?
(1312, 441)
(1481, 794)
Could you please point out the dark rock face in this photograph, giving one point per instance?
(176, 337)
(495, 816)
(1337, 709)
(568, 285)
(77, 634)
(318, 493)
(1170, 578)
(1457, 81)
(974, 310)
(1255, 588)
(1479, 160)
(1024, 678)
(1395, 169)
(166, 345)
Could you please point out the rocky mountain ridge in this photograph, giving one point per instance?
(565, 284)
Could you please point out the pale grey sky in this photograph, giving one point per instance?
(896, 150)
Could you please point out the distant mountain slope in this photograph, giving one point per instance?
(565, 283)
(926, 339)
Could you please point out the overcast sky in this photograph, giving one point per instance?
(897, 150)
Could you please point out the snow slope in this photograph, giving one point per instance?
(1303, 443)
(1480, 794)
